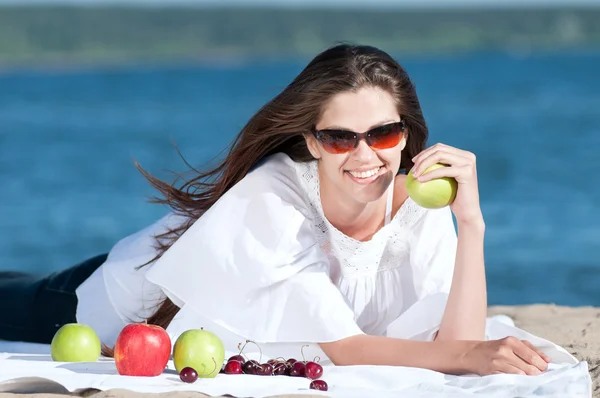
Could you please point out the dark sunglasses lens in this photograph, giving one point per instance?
(337, 141)
(387, 136)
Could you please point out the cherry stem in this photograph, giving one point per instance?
(242, 353)
(317, 359)
(302, 352)
(259, 350)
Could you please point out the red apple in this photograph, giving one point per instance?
(142, 350)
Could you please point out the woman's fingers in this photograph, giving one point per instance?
(540, 353)
(507, 368)
(528, 353)
(442, 147)
(461, 163)
(451, 159)
(454, 172)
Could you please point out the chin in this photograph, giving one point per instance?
(368, 197)
(371, 191)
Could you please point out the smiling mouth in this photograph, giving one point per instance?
(364, 174)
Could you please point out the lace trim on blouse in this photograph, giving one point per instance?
(385, 250)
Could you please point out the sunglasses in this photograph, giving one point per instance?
(343, 141)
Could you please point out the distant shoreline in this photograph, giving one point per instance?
(80, 36)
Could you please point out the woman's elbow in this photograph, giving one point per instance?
(339, 352)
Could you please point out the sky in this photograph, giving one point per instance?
(297, 3)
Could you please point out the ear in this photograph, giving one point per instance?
(403, 141)
(313, 146)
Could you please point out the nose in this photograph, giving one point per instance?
(363, 152)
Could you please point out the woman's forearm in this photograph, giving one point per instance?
(442, 356)
(465, 314)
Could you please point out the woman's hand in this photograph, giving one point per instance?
(507, 355)
(462, 168)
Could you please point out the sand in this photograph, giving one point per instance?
(576, 329)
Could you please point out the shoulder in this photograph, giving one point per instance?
(253, 230)
(276, 168)
(268, 204)
(275, 179)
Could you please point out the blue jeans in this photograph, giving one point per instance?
(34, 306)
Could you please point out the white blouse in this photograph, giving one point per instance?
(263, 263)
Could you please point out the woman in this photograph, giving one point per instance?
(305, 234)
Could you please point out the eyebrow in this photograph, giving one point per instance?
(336, 127)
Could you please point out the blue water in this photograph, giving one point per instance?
(69, 189)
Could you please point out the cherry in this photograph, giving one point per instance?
(318, 385)
(237, 358)
(280, 369)
(298, 369)
(313, 370)
(233, 368)
(188, 375)
(250, 367)
(288, 366)
(265, 369)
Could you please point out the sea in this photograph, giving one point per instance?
(69, 137)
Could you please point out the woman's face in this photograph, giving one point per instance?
(363, 174)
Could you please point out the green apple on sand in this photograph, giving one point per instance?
(432, 194)
(200, 350)
(75, 342)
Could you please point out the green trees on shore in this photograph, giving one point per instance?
(119, 34)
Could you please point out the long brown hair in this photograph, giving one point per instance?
(280, 125)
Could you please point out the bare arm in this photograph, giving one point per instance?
(465, 314)
(442, 356)
(508, 355)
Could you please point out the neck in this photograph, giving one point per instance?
(357, 220)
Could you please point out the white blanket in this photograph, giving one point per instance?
(26, 367)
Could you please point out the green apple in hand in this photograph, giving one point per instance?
(432, 194)
(75, 342)
(200, 350)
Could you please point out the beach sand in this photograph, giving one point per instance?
(576, 329)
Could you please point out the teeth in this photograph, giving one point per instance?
(365, 174)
